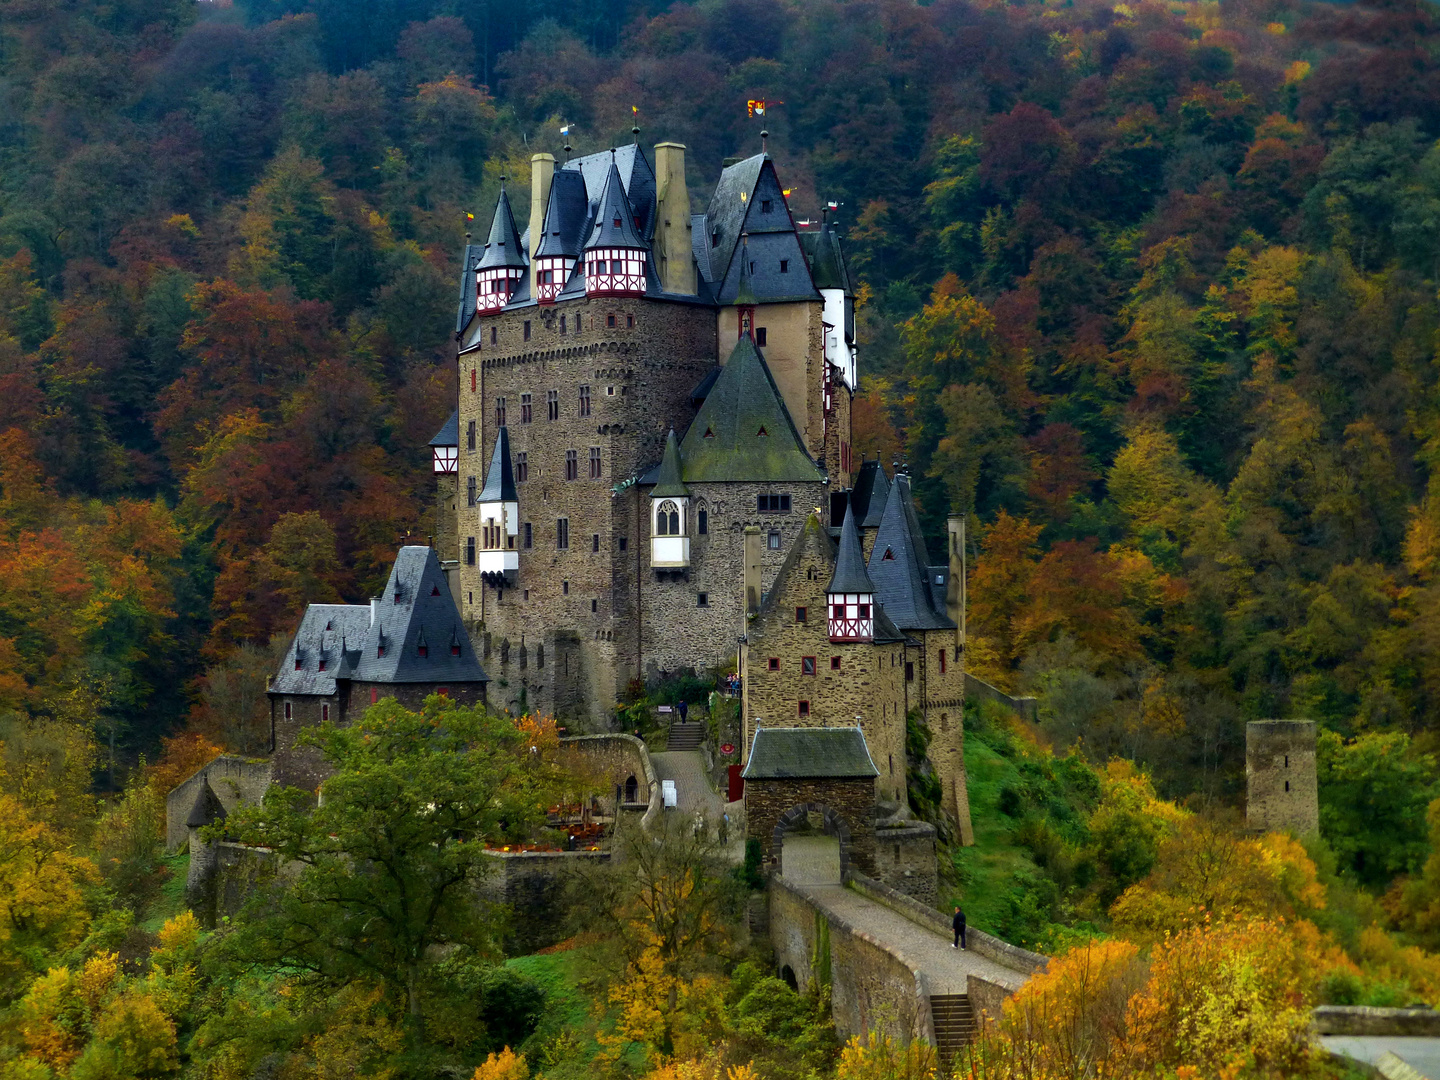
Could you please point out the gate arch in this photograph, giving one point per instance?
(832, 824)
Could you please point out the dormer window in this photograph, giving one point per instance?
(422, 650)
(434, 590)
(322, 664)
(765, 206)
(454, 650)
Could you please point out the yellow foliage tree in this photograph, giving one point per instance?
(133, 1038)
(506, 1065)
(881, 1057)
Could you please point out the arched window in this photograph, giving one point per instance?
(667, 519)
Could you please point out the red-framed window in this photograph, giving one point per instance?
(807, 665)
(774, 664)
(834, 663)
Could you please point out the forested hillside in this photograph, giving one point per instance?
(1149, 293)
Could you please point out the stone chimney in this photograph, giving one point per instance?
(753, 549)
(672, 221)
(542, 171)
(374, 608)
(955, 582)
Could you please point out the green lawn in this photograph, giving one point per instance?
(566, 1033)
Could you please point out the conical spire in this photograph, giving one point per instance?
(499, 478)
(850, 573)
(614, 219)
(826, 268)
(669, 485)
(503, 249)
(745, 293)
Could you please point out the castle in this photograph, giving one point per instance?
(649, 466)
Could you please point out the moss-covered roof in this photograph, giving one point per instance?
(743, 432)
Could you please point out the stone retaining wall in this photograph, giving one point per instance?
(1027, 708)
(536, 885)
(905, 860)
(872, 985)
(617, 758)
(1365, 1020)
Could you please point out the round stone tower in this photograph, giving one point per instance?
(1281, 790)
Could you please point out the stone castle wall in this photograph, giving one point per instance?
(905, 860)
(1280, 782)
(234, 779)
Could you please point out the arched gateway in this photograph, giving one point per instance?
(807, 792)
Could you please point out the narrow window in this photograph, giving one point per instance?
(800, 614)
(289, 711)
(529, 535)
(773, 540)
(527, 329)
(562, 325)
(470, 551)
(594, 606)
(374, 695)
(702, 522)
(630, 322)
(909, 671)
(805, 708)
(807, 665)
(572, 464)
(470, 490)
(834, 663)
(609, 320)
(942, 661)
(324, 714)
(594, 463)
(525, 409)
(784, 266)
(472, 380)
(562, 537)
(522, 467)
(492, 335)
(552, 404)
(702, 599)
(565, 588)
(624, 542)
(470, 435)
(774, 664)
(760, 336)
(1287, 785)
(499, 412)
(595, 542)
(584, 401)
(765, 206)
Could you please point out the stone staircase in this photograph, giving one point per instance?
(955, 1025)
(686, 736)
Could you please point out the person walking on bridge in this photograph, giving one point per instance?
(959, 924)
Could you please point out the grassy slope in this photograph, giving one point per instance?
(568, 979)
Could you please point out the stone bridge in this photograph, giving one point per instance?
(888, 960)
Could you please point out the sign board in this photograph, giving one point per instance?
(727, 748)
(667, 791)
(663, 708)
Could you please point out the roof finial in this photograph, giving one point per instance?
(764, 141)
(567, 151)
(635, 131)
(503, 178)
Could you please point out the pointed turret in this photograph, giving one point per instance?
(670, 504)
(499, 510)
(445, 447)
(207, 809)
(615, 250)
(503, 264)
(563, 233)
(832, 280)
(851, 594)
(900, 565)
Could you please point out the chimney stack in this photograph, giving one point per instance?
(374, 609)
(542, 172)
(672, 221)
(955, 582)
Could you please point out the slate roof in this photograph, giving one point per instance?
(417, 609)
(902, 582)
(745, 291)
(504, 248)
(872, 489)
(850, 575)
(449, 433)
(784, 753)
(324, 630)
(725, 217)
(668, 484)
(499, 478)
(724, 441)
(635, 172)
(827, 265)
(207, 809)
(614, 225)
(468, 265)
(565, 216)
(348, 636)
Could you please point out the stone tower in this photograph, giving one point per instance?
(1281, 789)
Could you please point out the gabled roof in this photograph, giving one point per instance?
(902, 581)
(207, 809)
(725, 217)
(814, 533)
(784, 753)
(326, 631)
(635, 173)
(449, 434)
(499, 478)
(565, 216)
(469, 263)
(417, 609)
(504, 248)
(668, 484)
(872, 489)
(614, 219)
(850, 575)
(743, 430)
